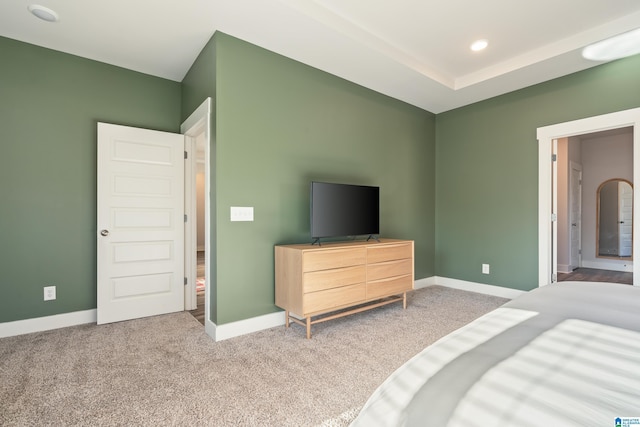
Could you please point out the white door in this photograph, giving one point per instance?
(575, 214)
(625, 218)
(140, 223)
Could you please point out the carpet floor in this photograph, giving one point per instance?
(165, 370)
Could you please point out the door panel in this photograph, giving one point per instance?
(140, 223)
(625, 219)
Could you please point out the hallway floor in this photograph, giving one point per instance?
(594, 275)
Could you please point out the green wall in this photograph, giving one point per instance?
(282, 124)
(50, 103)
(487, 170)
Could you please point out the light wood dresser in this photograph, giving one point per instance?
(344, 277)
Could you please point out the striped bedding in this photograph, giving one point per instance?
(563, 355)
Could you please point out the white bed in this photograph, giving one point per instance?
(566, 354)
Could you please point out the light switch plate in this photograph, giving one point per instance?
(241, 213)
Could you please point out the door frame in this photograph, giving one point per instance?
(199, 122)
(547, 240)
(575, 166)
(190, 226)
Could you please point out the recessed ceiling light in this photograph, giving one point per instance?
(616, 47)
(479, 45)
(43, 13)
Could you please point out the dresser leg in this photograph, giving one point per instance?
(286, 318)
(309, 327)
(404, 300)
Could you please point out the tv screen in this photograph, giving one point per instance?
(344, 210)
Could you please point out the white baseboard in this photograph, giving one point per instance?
(233, 329)
(615, 265)
(564, 268)
(210, 328)
(39, 324)
(481, 288)
(246, 326)
(423, 283)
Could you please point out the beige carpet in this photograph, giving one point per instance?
(165, 370)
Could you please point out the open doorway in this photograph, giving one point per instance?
(199, 255)
(594, 226)
(547, 182)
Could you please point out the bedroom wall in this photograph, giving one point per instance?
(487, 166)
(282, 124)
(462, 182)
(49, 107)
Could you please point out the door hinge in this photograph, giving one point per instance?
(185, 218)
(579, 251)
(554, 278)
(186, 155)
(185, 281)
(554, 217)
(554, 157)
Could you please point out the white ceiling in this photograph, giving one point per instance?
(413, 50)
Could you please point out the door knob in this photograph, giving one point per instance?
(104, 232)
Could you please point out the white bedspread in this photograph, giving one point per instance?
(578, 373)
(564, 355)
(385, 407)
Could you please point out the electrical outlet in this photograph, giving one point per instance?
(485, 268)
(49, 293)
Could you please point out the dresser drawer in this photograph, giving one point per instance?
(326, 279)
(328, 299)
(386, 287)
(382, 270)
(392, 252)
(333, 258)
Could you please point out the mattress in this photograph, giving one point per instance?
(566, 354)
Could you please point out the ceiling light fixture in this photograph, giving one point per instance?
(43, 13)
(479, 45)
(620, 46)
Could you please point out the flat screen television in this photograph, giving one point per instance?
(340, 210)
